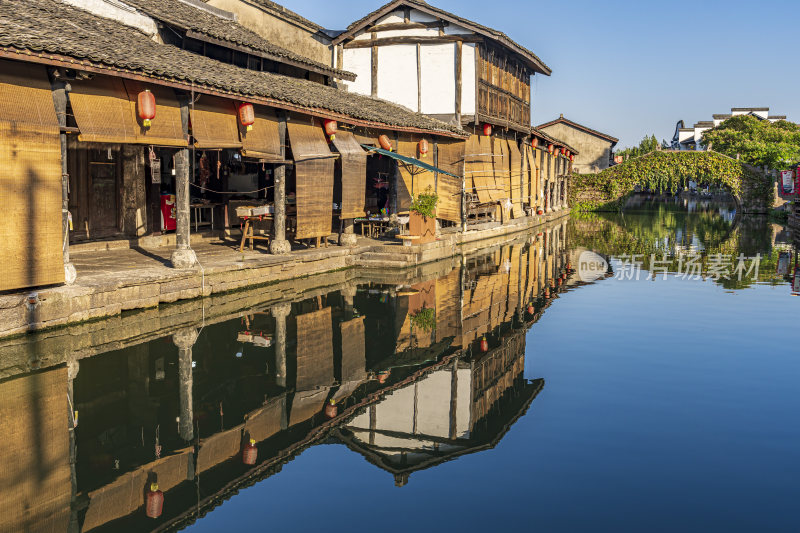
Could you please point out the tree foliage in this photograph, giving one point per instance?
(648, 144)
(668, 172)
(758, 142)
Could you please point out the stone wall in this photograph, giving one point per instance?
(300, 38)
(593, 152)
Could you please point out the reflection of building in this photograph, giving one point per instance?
(461, 409)
(182, 408)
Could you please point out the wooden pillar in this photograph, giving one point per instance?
(183, 256)
(60, 89)
(280, 312)
(279, 245)
(185, 340)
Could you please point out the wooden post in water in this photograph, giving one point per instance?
(184, 340)
(280, 312)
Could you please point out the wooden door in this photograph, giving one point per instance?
(103, 174)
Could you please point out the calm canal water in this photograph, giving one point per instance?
(505, 389)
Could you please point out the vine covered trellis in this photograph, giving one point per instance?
(664, 171)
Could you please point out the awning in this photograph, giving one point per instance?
(214, 123)
(263, 140)
(406, 159)
(102, 110)
(313, 167)
(167, 127)
(314, 350)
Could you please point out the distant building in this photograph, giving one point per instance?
(691, 138)
(594, 149)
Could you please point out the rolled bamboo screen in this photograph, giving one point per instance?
(313, 163)
(515, 176)
(215, 123)
(314, 350)
(263, 141)
(30, 179)
(102, 110)
(354, 357)
(354, 174)
(167, 128)
(414, 180)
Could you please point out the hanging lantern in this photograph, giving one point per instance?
(331, 410)
(547, 293)
(155, 501)
(385, 143)
(250, 453)
(567, 154)
(563, 151)
(487, 130)
(535, 142)
(383, 375)
(147, 107)
(423, 147)
(247, 116)
(331, 127)
(572, 157)
(540, 212)
(531, 309)
(560, 281)
(484, 344)
(569, 266)
(550, 148)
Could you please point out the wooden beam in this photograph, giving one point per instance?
(409, 26)
(374, 46)
(459, 74)
(419, 78)
(432, 39)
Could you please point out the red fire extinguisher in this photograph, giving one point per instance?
(155, 501)
(484, 344)
(250, 453)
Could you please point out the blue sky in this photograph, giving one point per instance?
(632, 68)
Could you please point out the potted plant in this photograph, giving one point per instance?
(422, 216)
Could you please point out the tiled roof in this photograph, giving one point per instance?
(562, 120)
(185, 16)
(532, 59)
(53, 32)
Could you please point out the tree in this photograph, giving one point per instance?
(648, 144)
(755, 141)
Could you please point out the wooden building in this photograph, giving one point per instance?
(73, 101)
(596, 148)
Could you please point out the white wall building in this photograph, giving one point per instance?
(692, 138)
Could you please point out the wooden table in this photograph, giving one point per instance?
(197, 210)
(373, 228)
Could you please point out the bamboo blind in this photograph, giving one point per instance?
(218, 448)
(478, 166)
(266, 421)
(502, 168)
(448, 306)
(354, 174)
(414, 180)
(516, 175)
(263, 141)
(102, 110)
(354, 356)
(525, 192)
(314, 179)
(214, 123)
(115, 500)
(493, 161)
(533, 168)
(450, 159)
(167, 127)
(314, 350)
(306, 404)
(36, 479)
(30, 179)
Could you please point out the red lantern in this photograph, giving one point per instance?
(147, 107)
(385, 143)
(572, 157)
(560, 281)
(487, 129)
(550, 148)
(383, 376)
(250, 453)
(247, 116)
(540, 212)
(484, 344)
(563, 151)
(567, 154)
(423, 147)
(155, 501)
(547, 293)
(531, 309)
(331, 410)
(569, 266)
(535, 142)
(331, 127)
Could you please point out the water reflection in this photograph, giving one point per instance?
(408, 372)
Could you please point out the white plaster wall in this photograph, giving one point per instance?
(359, 62)
(438, 78)
(114, 10)
(392, 18)
(397, 74)
(433, 405)
(464, 402)
(419, 16)
(455, 29)
(468, 79)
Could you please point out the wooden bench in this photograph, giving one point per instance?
(408, 240)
